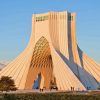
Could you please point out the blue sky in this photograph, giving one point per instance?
(16, 16)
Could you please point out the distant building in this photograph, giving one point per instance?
(53, 58)
(2, 65)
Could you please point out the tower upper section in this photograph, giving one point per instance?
(56, 26)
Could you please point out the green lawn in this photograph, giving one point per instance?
(48, 96)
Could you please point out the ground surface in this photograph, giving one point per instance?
(50, 95)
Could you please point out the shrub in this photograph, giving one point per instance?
(7, 84)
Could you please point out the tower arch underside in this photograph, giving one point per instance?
(41, 63)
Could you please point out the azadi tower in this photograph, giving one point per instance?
(53, 57)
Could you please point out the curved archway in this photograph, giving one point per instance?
(41, 63)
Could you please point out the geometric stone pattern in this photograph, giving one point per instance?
(41, 63)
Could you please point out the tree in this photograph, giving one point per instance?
(7, 84)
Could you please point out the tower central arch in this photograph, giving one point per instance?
(41, 63)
